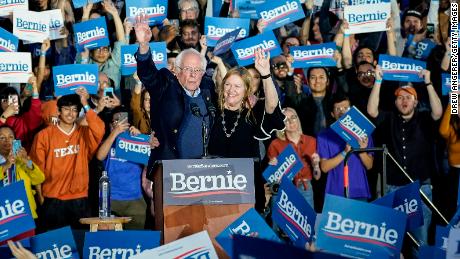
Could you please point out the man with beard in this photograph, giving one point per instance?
(412, 30)
(189, 35)
(287, 82)
(410, 136)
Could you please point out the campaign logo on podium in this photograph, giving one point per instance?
(208, 181)
(401, 69)
(353, 126)
(279, 13)
(318, 55)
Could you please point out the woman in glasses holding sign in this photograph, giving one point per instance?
(239, 126)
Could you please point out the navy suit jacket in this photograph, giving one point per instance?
(167, 101)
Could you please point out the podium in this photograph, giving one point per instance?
(192, 195)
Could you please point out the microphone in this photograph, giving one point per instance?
(195, 110)
(211, 108)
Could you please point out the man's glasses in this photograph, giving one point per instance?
(368, 73)
(341, 109)
(280, 65)
(188, 10)
(191, 70)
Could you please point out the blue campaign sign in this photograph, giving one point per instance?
(129, 63)
(81, 3)
(91, 34)
(57, 243)
(243, 50)
(445, 83)
(249, 224)
(293, 214)
(156, 10)
(406, 199)
(68, 78)
(250, 247)
(133, 148)
(226, 42)
(8, 42)
(247, 8)
(344, 229)
(431, 252)
(279, 13)
(289, 164)
(353, 126)
(423, 49)
(119, 244)
(401, 69)
(15, 215)
(442, 235)
(317, 55)
(216, 27)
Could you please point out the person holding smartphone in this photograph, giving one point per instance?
(24, 123)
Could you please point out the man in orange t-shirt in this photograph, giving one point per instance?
(63, 152)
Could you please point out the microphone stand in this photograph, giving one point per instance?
(385, 152)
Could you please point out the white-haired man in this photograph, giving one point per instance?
(175, 99)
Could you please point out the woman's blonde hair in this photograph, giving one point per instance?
(281, 134)
(245, 76)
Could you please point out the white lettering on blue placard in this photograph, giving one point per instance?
(30, 26)
(7, 45)
(388, 65)
(314, 53)
(95, 252)
(91, 35)
(279, 11)
(151, 11)
(189, 184)
(241, 229)
(247, 53)
(9, 210)
(408, 207)
(357, 229)
(75, 79)
(65, 251)
(283, 169)
(129, 60)
(290, 210)
(133, 146)
(11, 2)
(157, 57)
(351, 127)
(361, 2)
(216, 32)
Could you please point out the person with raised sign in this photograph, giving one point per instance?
(24, 168)
(179, 101)
(63, 152)
(125, 176)
(332, 150)
(108, 60)
(304, 146)
(239, 126)
(409, 136)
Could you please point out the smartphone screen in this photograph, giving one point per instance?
(13, 100)
(123, 116)
(16, 146)
(108, 92)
